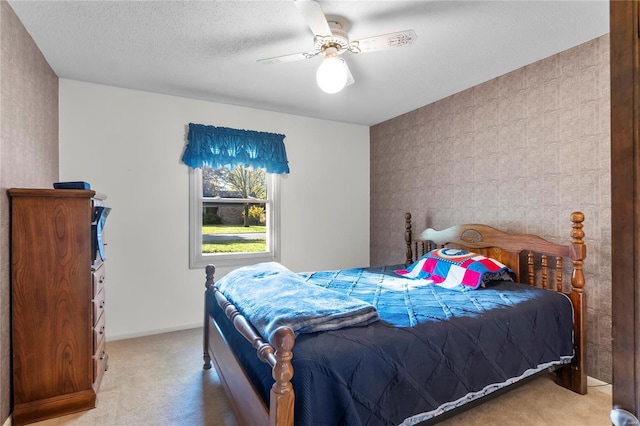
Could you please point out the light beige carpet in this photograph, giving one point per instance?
(541, 403)
(158, 380)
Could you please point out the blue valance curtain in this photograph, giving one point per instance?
(225, 147)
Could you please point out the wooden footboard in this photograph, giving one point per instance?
(537, 252)
(246, 403)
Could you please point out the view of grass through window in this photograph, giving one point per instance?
(233, 210)
(229, 238)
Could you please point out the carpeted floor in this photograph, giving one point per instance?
(159, 380)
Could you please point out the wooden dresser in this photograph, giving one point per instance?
(58, 303)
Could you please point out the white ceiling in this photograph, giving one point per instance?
(208, 49)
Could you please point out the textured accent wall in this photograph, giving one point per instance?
(520, 153)
(28, 151)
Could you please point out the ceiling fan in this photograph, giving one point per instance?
(331, 41)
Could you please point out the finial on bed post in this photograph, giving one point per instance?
(282, 396)
(210, 270)
(407, 238)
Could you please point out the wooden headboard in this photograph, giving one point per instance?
(509, 249)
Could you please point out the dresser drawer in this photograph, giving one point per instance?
(102, 367)
(98, 306)
(97, 278)
(100, 360)
(98, 333)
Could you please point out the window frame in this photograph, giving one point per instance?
(198, 260)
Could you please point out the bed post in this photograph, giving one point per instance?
(282, 396)
(407, 238)
(210, 270)
(574, 376)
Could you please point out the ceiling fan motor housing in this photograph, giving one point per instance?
(338, 39)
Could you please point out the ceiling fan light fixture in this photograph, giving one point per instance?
(332, 74)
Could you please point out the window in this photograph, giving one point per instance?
(233, 216)
(233, 179)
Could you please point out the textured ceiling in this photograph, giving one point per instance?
(208, 49)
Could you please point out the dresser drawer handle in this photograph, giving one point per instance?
(103, 354)
(102, 330)
(101, 280)
(102, 302)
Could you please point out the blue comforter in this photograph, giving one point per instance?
(431, 350)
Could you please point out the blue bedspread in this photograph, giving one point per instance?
(431, 350)
(269, 296)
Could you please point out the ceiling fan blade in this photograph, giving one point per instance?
(314, 16)
(383, 42)
(350, 79)
(287, 58)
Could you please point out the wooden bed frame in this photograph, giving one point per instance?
(525, 254)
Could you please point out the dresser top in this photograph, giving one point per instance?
(68, 193)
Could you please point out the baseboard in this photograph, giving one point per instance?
(599, 385)
(111, 338)
(9, 421)
(592, 381)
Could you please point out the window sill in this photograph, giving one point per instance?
(231, 260)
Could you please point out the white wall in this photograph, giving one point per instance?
(128, 145)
